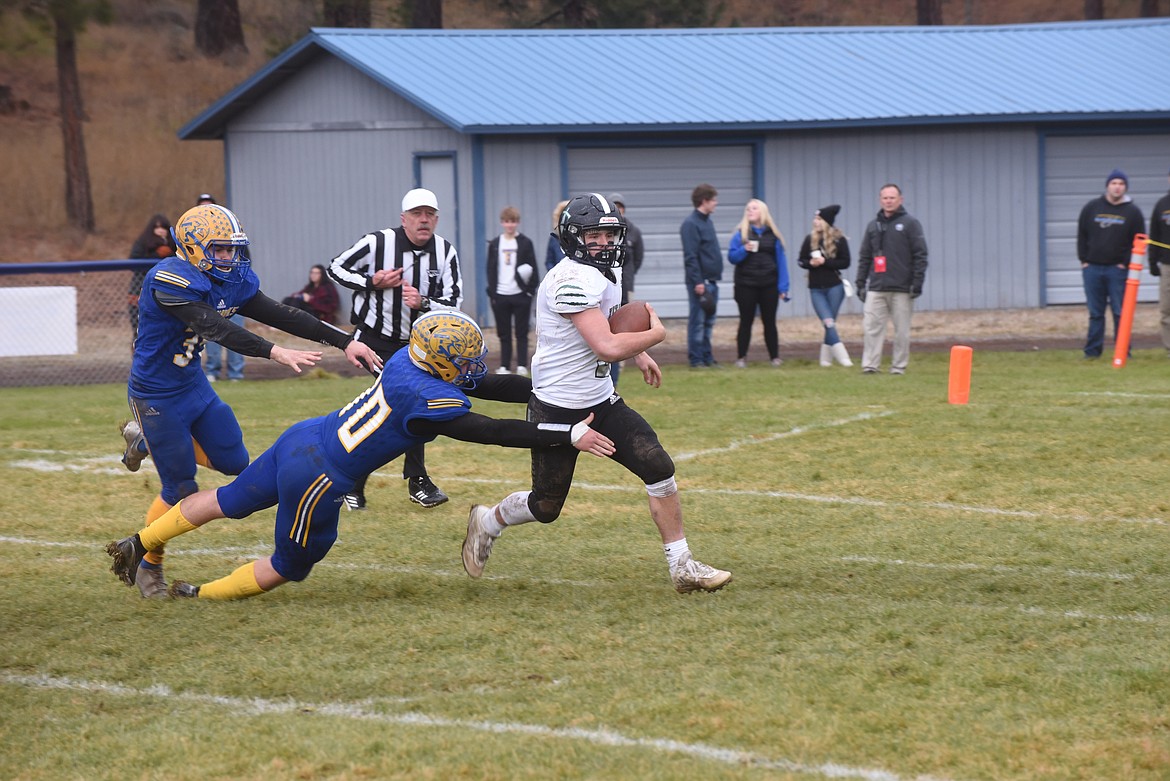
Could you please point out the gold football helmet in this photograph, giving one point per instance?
(449, 345)
(203, 229)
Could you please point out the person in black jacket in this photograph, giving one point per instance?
(891, 267)
(1160, 256)
(512, 280)
(825, 254)
(1105, 234)
(761, 278)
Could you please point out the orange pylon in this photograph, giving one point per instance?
(1129, 304)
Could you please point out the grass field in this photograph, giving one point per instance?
(921, 591)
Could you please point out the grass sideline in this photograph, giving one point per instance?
(921, 590)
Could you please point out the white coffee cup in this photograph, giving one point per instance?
(753, 246)
(816, 253)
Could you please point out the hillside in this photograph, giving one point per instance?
(142, 80)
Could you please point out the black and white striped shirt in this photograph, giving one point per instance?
(433, 269)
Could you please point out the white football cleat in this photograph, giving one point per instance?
(477, 545)
(693, 575)
(132, 457)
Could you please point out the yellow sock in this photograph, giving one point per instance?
(238, 585)
(158, 508)
(170, 525)
(200, 456)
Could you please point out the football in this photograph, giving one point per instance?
(630, 318)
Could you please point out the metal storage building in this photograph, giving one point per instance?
(997, 136)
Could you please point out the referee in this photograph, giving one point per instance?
(396, 275)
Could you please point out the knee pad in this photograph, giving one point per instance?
(657, 466)
(545, 510)
(663, 488)
(234, 463)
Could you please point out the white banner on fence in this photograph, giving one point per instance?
(38, 321)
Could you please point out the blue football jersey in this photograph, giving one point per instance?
(371, 430)
(166, 352)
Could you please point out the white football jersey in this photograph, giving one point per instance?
(565, 370)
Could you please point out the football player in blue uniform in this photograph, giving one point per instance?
(186, 300)
(314, 463)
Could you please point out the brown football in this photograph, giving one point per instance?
(630, 318)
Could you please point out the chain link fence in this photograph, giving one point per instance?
(68, 323)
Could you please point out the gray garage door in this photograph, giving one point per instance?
(657, 184)
(1075, 171)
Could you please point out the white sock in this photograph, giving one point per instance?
(513, 508)
(674, 552)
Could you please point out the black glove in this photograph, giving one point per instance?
(861, 294)
(915, 292)
(1154, 270)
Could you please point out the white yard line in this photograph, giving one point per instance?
(765, 438)
(361, 711)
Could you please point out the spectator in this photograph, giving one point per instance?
(1159, 256)
(891, 268)
(761, 278)
(319, 298)
(205, 198)
(825, 253)
(511, 282)
(1105, 234)
(703, 267)
(154, 243)
(553, 254)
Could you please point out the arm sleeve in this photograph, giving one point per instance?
(736, 251)
(919, 255)
(843, 259)
(349, 268)
(639, 253)
(805, 252)
(781, 266)
(204, 320)
(690, 242)
(492, 266)
(864, 261)
(451, 295)
(294, 321)
(526, 256)
(1083, 223)
(474, 427)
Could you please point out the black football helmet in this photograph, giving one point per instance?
(586, 212)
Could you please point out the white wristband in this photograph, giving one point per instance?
(577, 431)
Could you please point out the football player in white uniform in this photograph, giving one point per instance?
(570, 376)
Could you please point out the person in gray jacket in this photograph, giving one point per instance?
(703, 265)
(891, 267)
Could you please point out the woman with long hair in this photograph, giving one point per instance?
(825, 253)
(761, 277)
(319, 298)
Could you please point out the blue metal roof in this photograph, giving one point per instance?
(509, 81)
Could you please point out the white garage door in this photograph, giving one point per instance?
(657, 184)
(1075, 171)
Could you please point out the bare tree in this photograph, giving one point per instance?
(1094, 9)
(78, 200)
(930, 12)
(347, 13)
(63, 19)
(218, 29)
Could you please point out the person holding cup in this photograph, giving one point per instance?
(825, 254)
(761, 278)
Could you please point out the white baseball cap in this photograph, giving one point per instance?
(419, 197)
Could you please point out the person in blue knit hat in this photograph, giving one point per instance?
(1105, 234)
